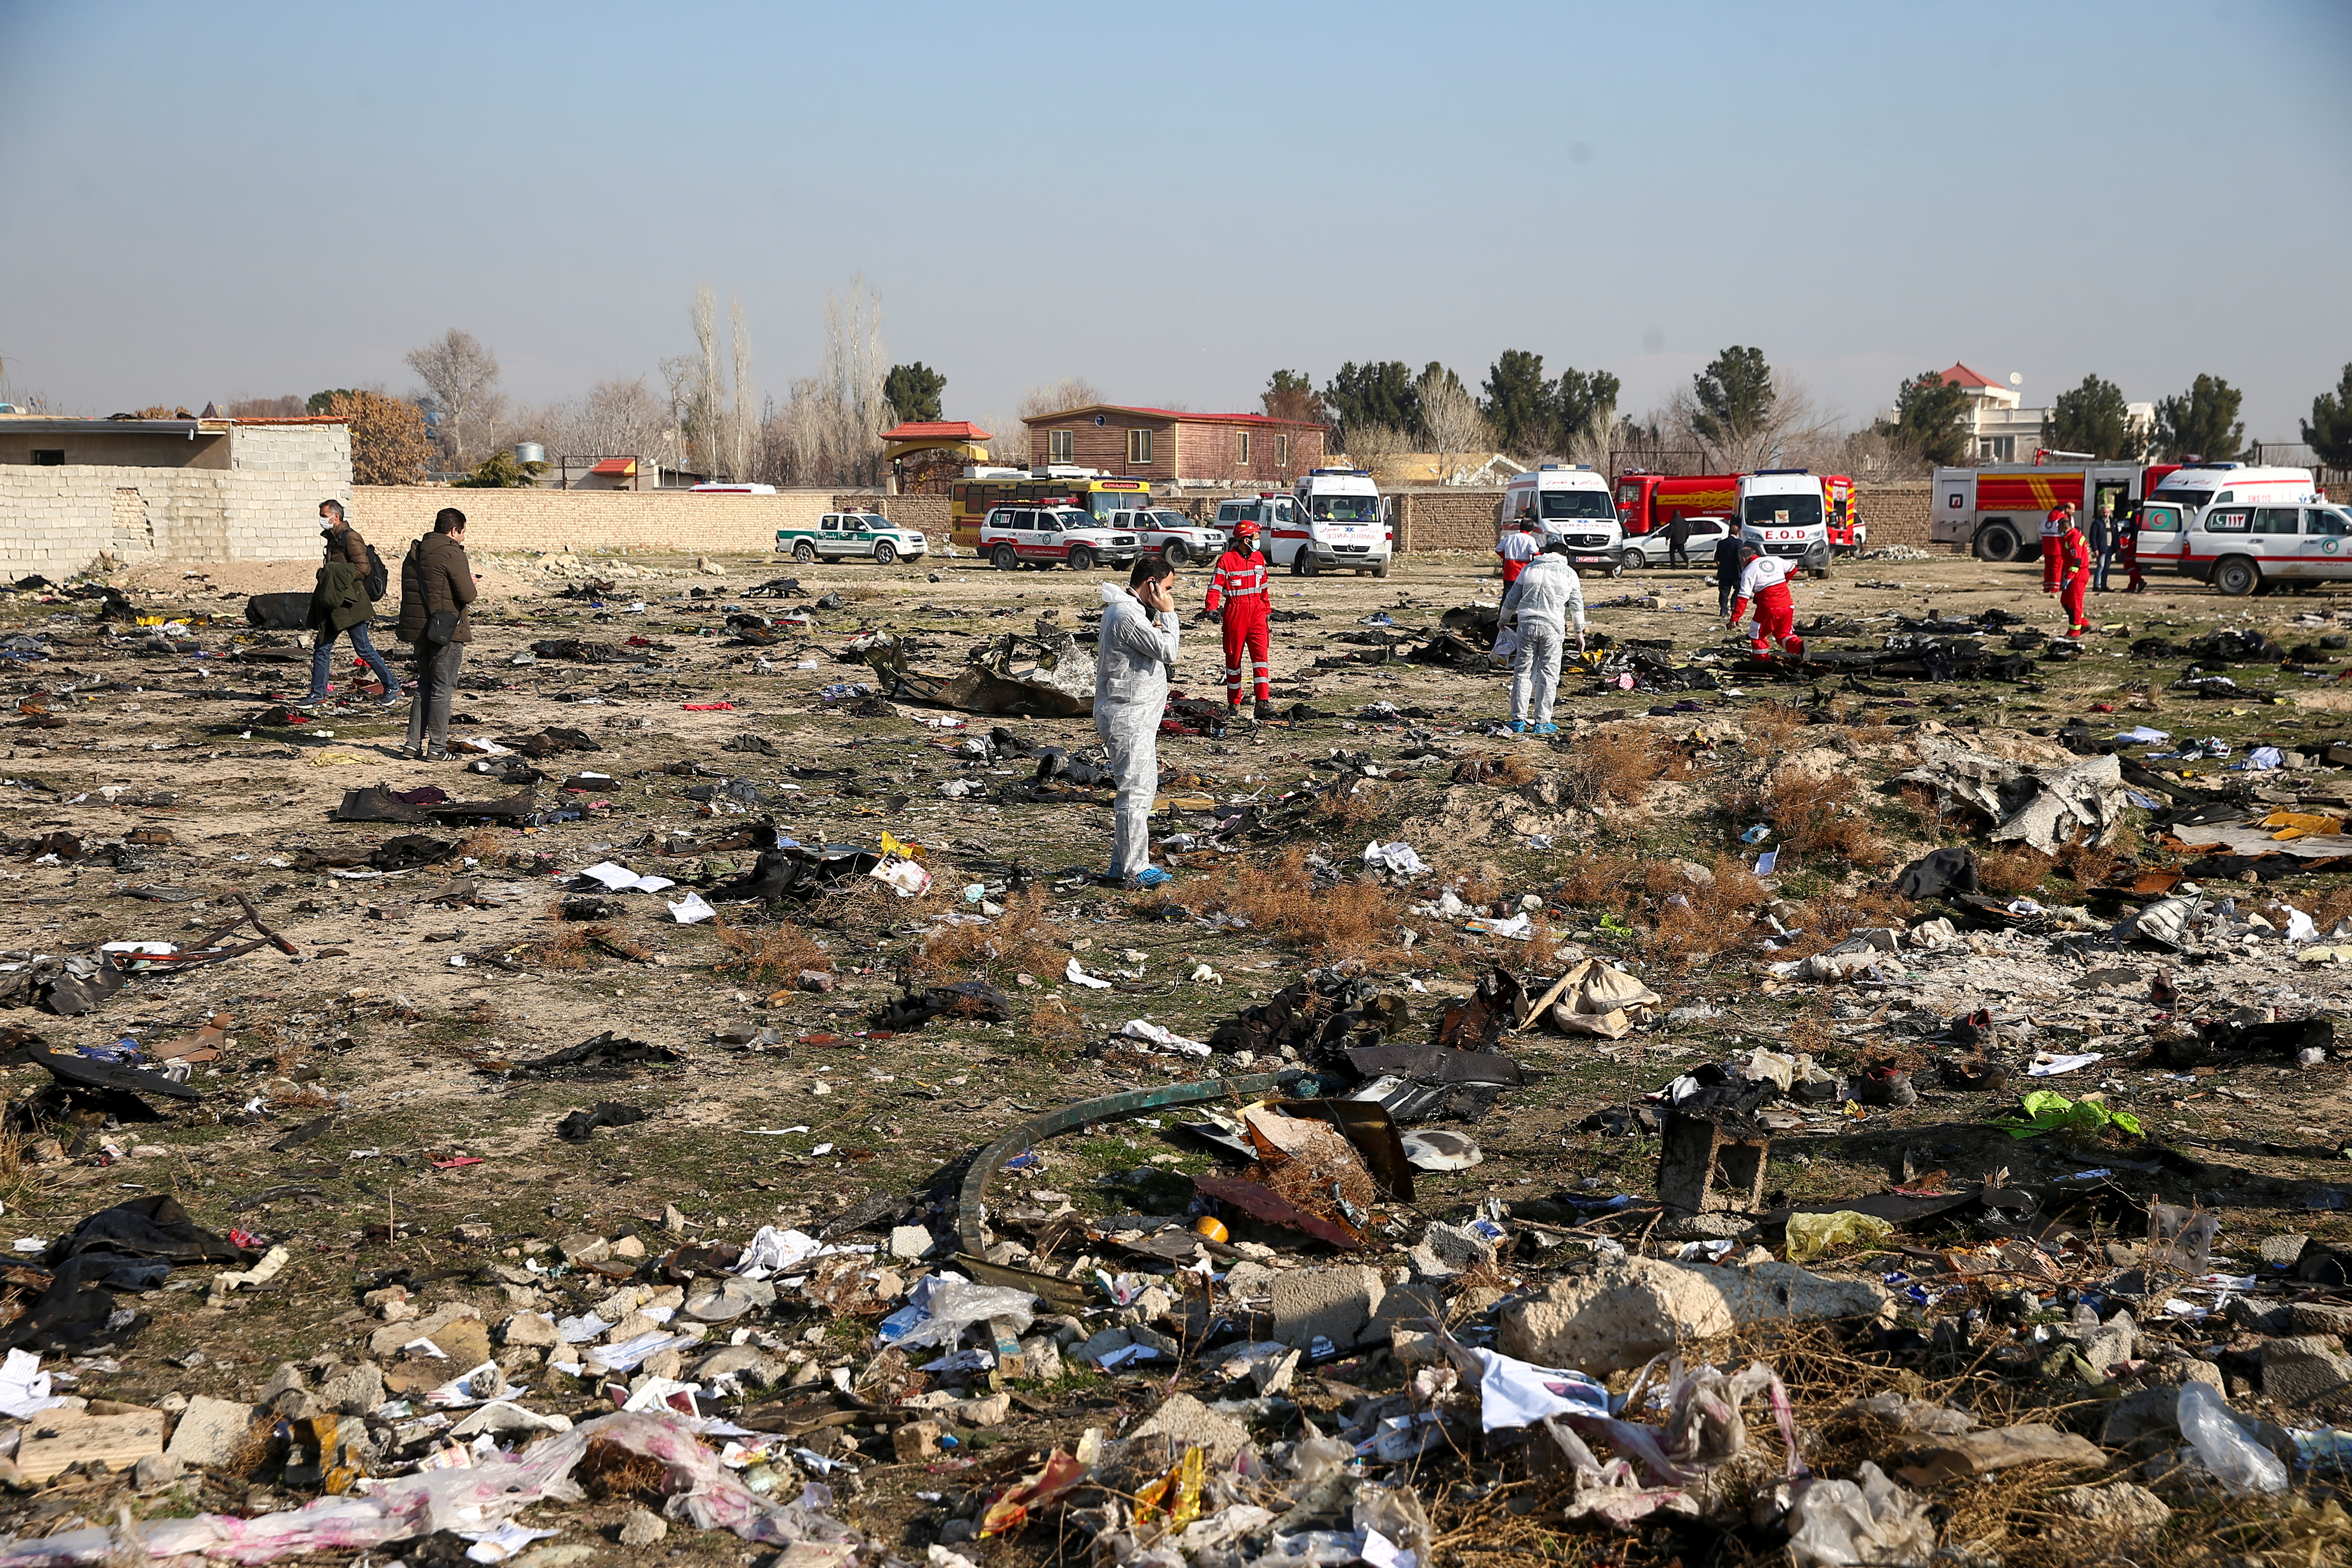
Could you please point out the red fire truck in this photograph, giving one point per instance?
(1647, 502)
(1996, 510)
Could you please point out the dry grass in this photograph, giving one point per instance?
(483, 843)
(2014, 870)
(2090, 866)
(1815, 814)
(1056, 1028)
(1712, 916)
(1017, 941)
(1351, 920)
(1618, 765)
(777, 952)
(607, 1472)
(1353, 808)
(568, 946)
(2331, 906)
(1830, 918)
(1507, 770)
(1772, 726)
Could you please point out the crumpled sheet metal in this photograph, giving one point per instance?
(1045, 678)
(2043, 806)
(705, 1495)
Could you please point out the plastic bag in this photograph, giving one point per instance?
(957, 1305)
(1813, 1235)
(2241, 1465)
(1868, 1519)
(2181, 1238)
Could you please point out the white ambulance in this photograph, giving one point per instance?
(1574, 505)
(2241, 528)
(1784, 510)
(1341, 524)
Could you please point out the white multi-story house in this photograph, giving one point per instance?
(2004, 430)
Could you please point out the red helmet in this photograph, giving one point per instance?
(1246, 526)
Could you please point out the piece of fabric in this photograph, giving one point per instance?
(435, 576)
(1548, 592)
(436, 683)
(1534, 670)
(323, 657)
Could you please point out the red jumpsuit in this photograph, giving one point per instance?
(1238, 587)
(2050, 548)
(2074, 554)
(1764, 580)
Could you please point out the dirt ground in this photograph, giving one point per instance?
(410, 998)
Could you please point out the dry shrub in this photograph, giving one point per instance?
(779, 953)
(1484, 883)
(20, 1180)
(1620, 765)
(1814, 815)
(1925, 805)
(482, 844)
(1354, 919)
(1810, 1033)
(1352, 807)
(2014, 870)
(2331, 906)
(1056, 1028)
(1830, 918)
(1507, 770)
(1608, 880)
(2091, 866)
(1772, 726)
(1017, 941)
(1712, 916)
(607, 1472)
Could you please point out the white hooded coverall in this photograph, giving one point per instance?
(1132, 656)
(1540, 601)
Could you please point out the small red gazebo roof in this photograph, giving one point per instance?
(937, 430)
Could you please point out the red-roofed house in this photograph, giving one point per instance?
(1172, 445)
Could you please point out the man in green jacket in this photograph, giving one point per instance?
(340, 603)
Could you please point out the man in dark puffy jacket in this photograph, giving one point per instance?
(334, 610)
(437, 583)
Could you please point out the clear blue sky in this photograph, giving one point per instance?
(253, 199)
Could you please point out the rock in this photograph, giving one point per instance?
(1707, 1228)
(912, 1242)
(2110, 1342)
(1041, 1359)
(2299, 1370)
(1189, 1423)
(914, 1440)
(472, 1235)
(739, 1361)
(1331, 1304)
(1416, 1347)
(1979, 1453)
(629, 1247)
(643, 1528)
(353, 1390)
(2119, 1509)
(582, 1248)
(673, 1218)
(375, 1300)
(817, 979)
(155, 1472)
(1248, 1281)
(1622, 1313)
(2317, 1318)
(433, 1326)
(1403, 1306)
(1445, 1250)
(991, 1410)
(529, 1328)
(2282, 1251)
(210, 1432)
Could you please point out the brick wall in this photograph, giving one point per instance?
(1898, 513)
(57, 521)
(575, 521)
(1446, 517)
(1191, 450)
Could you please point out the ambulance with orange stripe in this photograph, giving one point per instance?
(1996, 510)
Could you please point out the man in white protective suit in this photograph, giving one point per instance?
(1133, 656)
(1540, 603)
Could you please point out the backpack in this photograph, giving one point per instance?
(377, 578)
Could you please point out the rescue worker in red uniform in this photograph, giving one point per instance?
(1237, 591)
(2053, 530)
(2074, 559)
(1764, 581)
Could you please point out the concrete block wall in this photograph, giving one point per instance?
(57, 521)
(576, 522)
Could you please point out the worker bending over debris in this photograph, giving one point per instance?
(1764, 583)
(1237, 595)
(1540, 603)
(2074, 565)
(1132, 657)
(2053, 530)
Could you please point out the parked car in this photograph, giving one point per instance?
(846, 535)
(1651, 548)
(1174, 535)
(2247, 549)
(1049, 536)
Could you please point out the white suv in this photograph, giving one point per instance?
(1050, 536)
(1174, 535)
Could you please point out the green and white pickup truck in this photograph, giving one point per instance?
(845, 535)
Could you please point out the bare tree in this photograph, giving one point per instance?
(616, 417)
(828, 429)
(741, 427)
(1451, 424)
(1794, 423)
(1378, 449)
(1008, 440)
(704, 397)
(463, 377)
(1070, 391)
